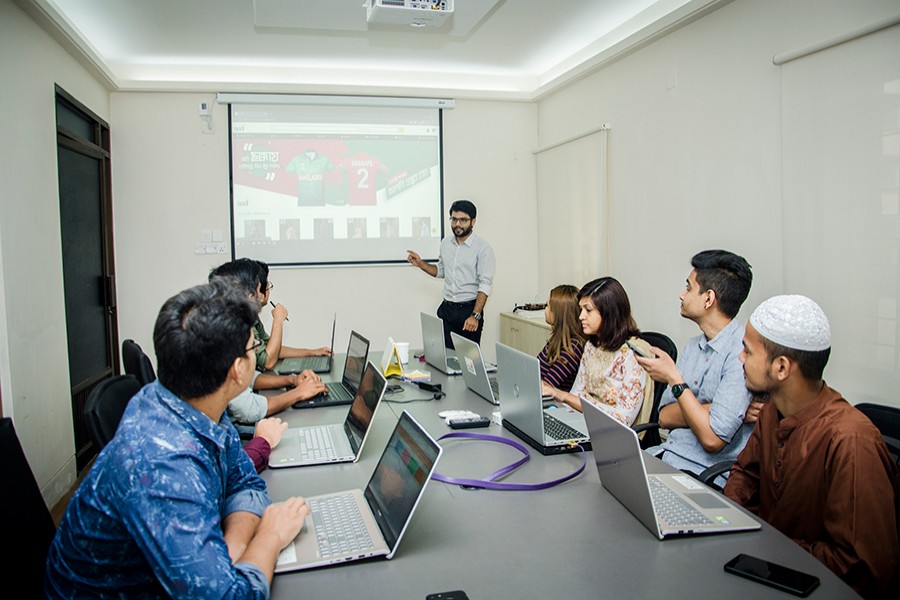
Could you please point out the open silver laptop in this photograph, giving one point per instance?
(316, 364)
(338, 442)
(375, 519)
(436, 353)
(556, 429)
(667, 504)
(474, 370)
(343, 391)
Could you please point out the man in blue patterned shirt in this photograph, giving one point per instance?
(706, 406)
(173, 506)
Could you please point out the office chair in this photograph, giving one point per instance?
(137, 363)
(27, 523)
(887, 420)
(105, 406)
(651, 428)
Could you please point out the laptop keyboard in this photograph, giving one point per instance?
(672, 508)
(338, 391)
(316, 363)
(495, 386)
(316, 442)
(340, 528)
(556, 429)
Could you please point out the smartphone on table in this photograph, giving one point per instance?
(771, 574)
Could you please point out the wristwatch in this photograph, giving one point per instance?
(678, 389)
(476, 316)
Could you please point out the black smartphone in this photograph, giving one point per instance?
(639, 351)
(454, 595)
(776, 576)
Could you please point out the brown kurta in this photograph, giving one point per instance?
(825, 479)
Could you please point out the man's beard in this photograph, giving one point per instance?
(464, 232)
(764, 397)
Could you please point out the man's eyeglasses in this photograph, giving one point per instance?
(253, 348)
(461, 220)
(269, 286)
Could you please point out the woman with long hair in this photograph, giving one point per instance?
(562, 353)
(609, 375)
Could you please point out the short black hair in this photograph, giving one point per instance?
(464, 206)
(244, 270)
(725, 273)
(811, 362)
(198, 334)
(262, 275)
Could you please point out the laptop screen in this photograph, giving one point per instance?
(396, 485)
(357, 353)
(368, 394)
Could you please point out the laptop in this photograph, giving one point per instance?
(316, 364)
(338, 442)
(473, 369)
(343, 391)
(436, 353)
(668, 504)
(380, 514)
(554, 429)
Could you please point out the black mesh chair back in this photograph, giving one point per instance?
(137, 363)
(887, 420)
(663, 342)
(105, 406)
(27, 523)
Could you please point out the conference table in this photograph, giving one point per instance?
(571, 541)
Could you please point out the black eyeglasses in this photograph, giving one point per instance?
(269, 286)
(461, 220)
(253, 347)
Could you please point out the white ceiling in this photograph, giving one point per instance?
(521, 49)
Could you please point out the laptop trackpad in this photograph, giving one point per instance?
(706, 500)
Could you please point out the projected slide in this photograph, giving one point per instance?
(321, 185)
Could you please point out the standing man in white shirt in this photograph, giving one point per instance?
(466, 264)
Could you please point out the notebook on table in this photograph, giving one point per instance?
(554, 429)
(668, 504)
(338, 442)
(474, 370)
(359, 524)
(343, 391)
(316, 364)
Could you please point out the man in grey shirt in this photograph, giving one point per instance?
(707, 407)
(466, 264)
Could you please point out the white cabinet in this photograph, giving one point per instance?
(527, 332)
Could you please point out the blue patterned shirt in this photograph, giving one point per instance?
(147, 520)
(715, 375)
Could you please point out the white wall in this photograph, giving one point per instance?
(694, 161)
(170, 181)
(36, 391)
(696, 145)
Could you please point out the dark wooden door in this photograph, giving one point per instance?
(87, 257)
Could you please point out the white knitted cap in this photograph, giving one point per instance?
(794, 322)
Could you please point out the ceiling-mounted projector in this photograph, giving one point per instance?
(417, 13)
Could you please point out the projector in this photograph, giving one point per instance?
(416, 13)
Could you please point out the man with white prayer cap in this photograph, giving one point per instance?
(815, 468)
